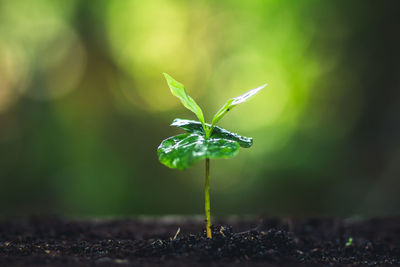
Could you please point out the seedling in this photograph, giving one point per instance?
(202, 140)
(349, 242)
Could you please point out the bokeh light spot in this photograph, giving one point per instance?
(149, 38)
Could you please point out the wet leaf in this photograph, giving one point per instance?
(233, 102)
(190, 126)
(182, 151)
(179, 91)
(217, 132)
(243, 141)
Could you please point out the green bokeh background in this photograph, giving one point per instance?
(84, 105)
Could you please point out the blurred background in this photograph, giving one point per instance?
(84, 105)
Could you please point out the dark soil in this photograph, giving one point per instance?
(235, 242)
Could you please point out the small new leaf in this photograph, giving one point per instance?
(349, 242)
(184, 150)
(233, 102)
(178, 90)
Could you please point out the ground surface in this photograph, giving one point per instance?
(236, 242)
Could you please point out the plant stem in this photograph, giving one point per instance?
(207, 131)
(207, 199)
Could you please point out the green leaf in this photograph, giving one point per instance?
(243, 141)
(189, 125)
(182, 151)
(233, 102)
(217, 132)
(179, 91)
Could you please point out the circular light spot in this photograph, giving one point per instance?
(58, 67)
(12, 73)
(149, 38)
(52, 54)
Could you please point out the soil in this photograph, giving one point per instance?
(235, 242)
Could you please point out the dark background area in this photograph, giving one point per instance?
(84, 105)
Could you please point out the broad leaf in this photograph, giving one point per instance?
(189, 125)
(243, 141)
(182, 151)
(217, 132)
(233, 102)
(179, 91)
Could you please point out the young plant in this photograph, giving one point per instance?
(349, 242)
(202, 140)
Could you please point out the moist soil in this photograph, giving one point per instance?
(236, 242)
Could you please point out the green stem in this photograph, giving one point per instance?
(207, 132)
(207, 199)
